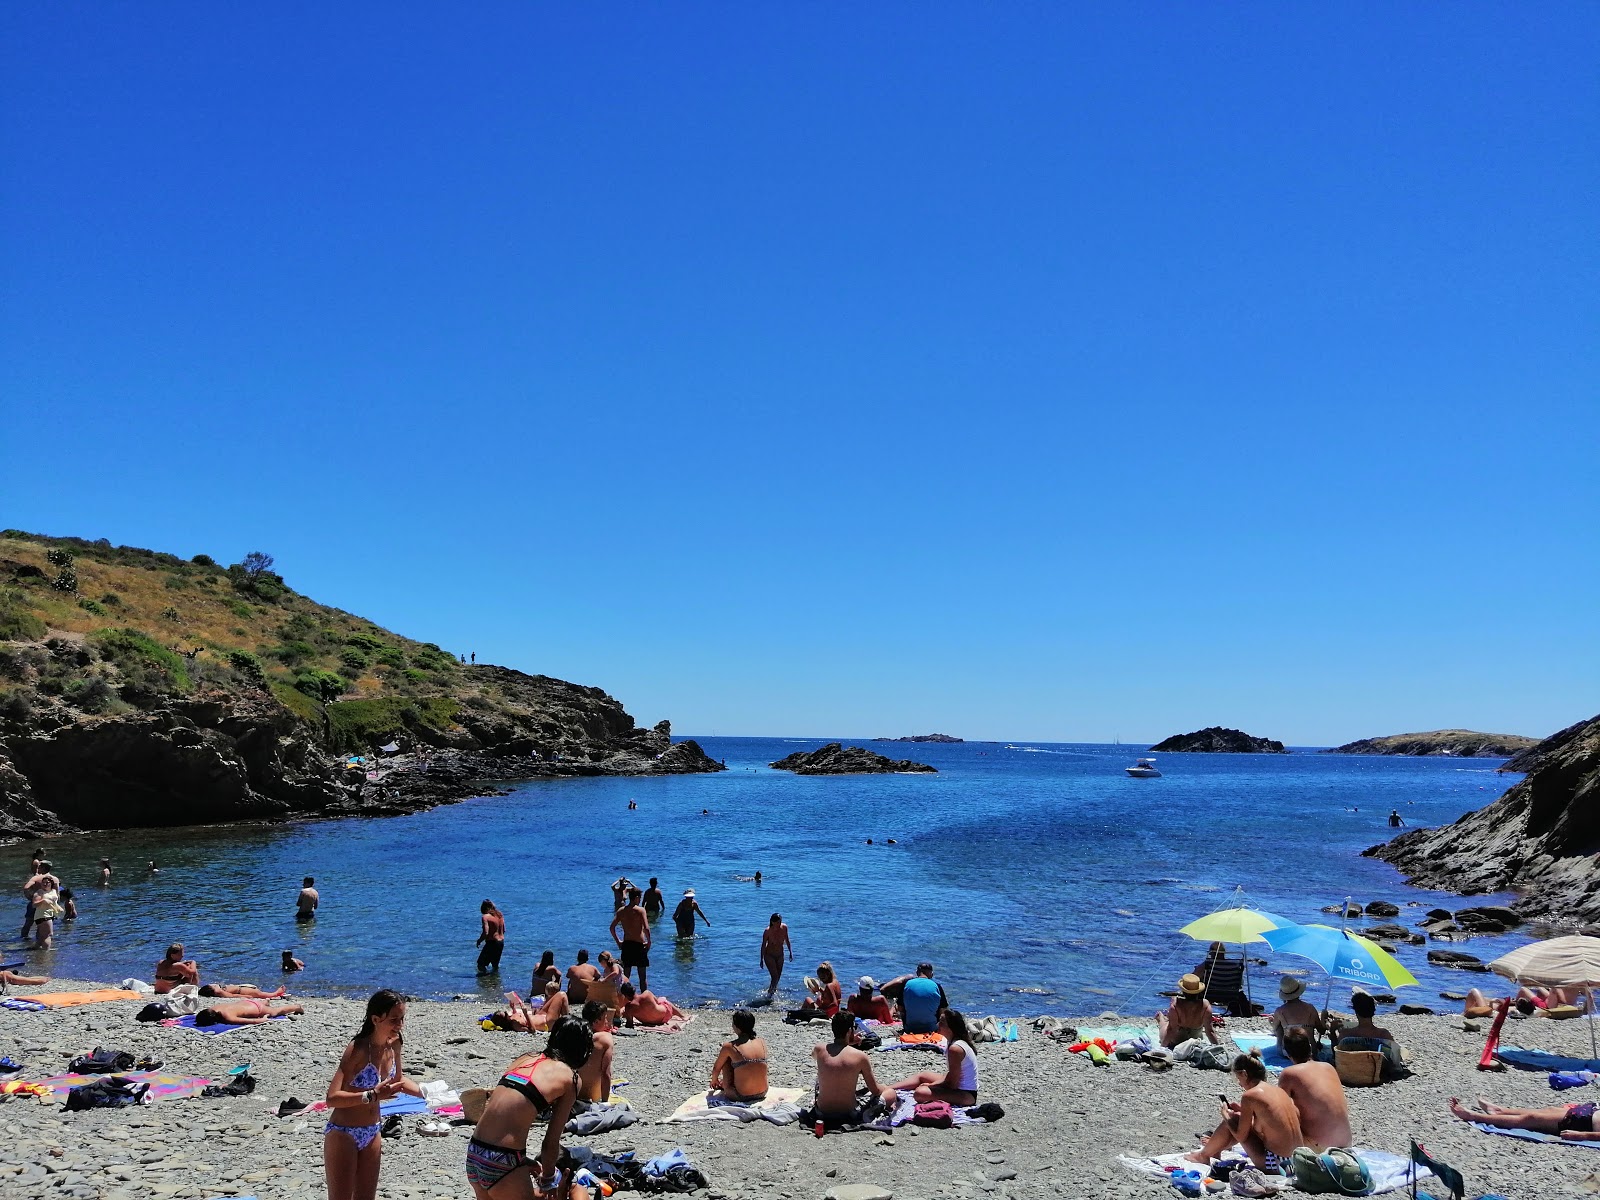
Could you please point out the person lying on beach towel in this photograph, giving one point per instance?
(740, 1072)
(646, 1008)
(1569, 1122)
(840, 1067)
(1527, 1001)
(1264, 1123)
(239, 991)
(244, 1012)
(10, 977)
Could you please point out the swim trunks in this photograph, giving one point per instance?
(1579, 1117)
(635, 954)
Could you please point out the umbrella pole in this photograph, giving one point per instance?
(1588, 1019)
(1327, 997)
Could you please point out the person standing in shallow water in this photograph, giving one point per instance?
(492, 937)
(369, 1072)
(774, 941)
(683, 915)
(305, 906)
(654, 901)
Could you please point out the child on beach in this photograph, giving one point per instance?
(369, 1072)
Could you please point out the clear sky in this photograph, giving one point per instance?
(1025, 370)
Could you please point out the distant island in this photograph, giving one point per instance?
(1217, 740)
(943, 738)
(837, 759)
(1463, 743)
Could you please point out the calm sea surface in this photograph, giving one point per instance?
(1030, 866)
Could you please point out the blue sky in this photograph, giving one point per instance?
(1020, 371)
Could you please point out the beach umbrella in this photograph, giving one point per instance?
(1572, 961)
(1234, 925)
(1343, 955)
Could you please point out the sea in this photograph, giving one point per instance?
(1036, 877)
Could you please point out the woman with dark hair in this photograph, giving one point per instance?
(740, 1072)
(534, 1086)
(959, 1083)
(492, 937)
(544, 973)
(774, 941)
(369, 1072)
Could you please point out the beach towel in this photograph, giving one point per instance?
(1390, 1172)
(1530, 1135)
(914, 1041)
(1266, 1045)
(1116, 1033)
(17, 1004)
(73, 999)
(162, 1086)
(399, 1105)
(1544, 1060)
(780, 1107)
(187, 1022)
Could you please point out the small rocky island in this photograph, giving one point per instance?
(1461, 743)
(837, 759)
(1217, 740)
(943, 739)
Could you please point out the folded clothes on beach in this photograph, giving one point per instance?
(591, 1117)
(73, 999)
(914, 1041)
(1530, 1135)
(780, 1106)
(1390, 1172)
(399, 1105)
(162, 1086)
(1543, 1060)
(187, 1022)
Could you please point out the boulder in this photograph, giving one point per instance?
(1387, 932)
(1415, 1010)
(1350, 910)
(858, 1191)
(1382, 908)
(1438, 914)
(1456, 960)
(1497, 914)
(837, 759)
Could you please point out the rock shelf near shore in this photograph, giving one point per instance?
(1066, 1120)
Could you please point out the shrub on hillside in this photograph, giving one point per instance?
(351, 657)
(111, 600)
(17, 623)
(175, 583)
(365, 641)
(247, 664)
(203, 560)
(392, 656)
(149, 670)
(66, 580)
(414, 675)
(59, 557)
(92, 606)
(241, 610)
(92, 695)
(16, 706)
(171, 614)
(320, 685)
(292, 654)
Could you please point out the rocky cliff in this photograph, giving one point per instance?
(1217, 740)
(1463, 743)
(138, 689)
(837, 759)
(1541, 838)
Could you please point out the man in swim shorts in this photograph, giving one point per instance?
(630, 929)
(305, 907)
(840, 1066)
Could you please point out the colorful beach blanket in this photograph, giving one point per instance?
(162, 1086)
(702, 1107)
(1530, 1135)
(74, 999)
(1390, 1172)
(187, 1022)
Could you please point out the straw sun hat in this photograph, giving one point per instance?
(1190, 985)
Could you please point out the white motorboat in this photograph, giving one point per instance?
(1145, 768)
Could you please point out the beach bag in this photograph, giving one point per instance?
(1337, 1171)
(1214, 1058)
(155, 1012)
(935, 1114)
(110, 1092)
(101, 1061)
(1359, 1068)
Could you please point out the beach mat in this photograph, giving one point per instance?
(1544, 1060)
(1390, 1172)
(701, 1107)
(1530, 1135)
(162, 1086)
(74, 999)
(187, 1022)
(1118, 1033)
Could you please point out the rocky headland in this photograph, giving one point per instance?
(1541, 838)
(838, 759)
(1462, 743)
(1217, 740)
(139, 689)
(942, 738)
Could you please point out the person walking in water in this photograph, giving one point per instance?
(492, 937)
(774, 941)
(105, 872)
(633, 940)
(305, 908)
(683, 915)
(654, 901)
(1395, 820)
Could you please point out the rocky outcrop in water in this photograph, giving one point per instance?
(942, 738)
(1541, 838)
(1217, 740)
(837, 759)
(1462, 743)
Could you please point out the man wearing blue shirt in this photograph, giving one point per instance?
(921, 999)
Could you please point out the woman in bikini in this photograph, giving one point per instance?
(543, 973)
(825, 996)
(774, 941)
(246, 1011)
(609, 971)
(739, 1075)
(534, 1086)
(958, 1085)
(174, 969)
(369, 1073)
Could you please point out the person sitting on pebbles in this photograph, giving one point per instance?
(1364, 1035)
(645, 1008)
(958, 1085)
(1188, 1016)
(840, 1067)
(825, 993)
(1265, 1123)
(174, 970)
(1318, 1095)
(739, 1075)
(594, 1077)
(1294, 1013)
(867, 1006)
(244, 1012)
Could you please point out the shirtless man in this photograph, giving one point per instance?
(773, 943)
(1264, 1121)
(633, 940)
(1294, 1013)
(594, 1077)
(619, 891)
(305, 907)
(175, 969)
(645, 1008)
(654, 901)
(579, 976)
(839, 1067)
(1317, 1094)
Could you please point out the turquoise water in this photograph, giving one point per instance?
(1017, 866)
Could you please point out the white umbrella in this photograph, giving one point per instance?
(1572, 961)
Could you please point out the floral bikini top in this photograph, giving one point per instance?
(367, 1078)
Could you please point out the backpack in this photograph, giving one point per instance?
(155, 1012)
(1338, 1171)
(935, 1114)
(111, 1092)
(101, 1062)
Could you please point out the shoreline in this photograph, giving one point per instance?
(1065, 1121)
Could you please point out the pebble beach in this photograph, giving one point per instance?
(1066, 1121)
